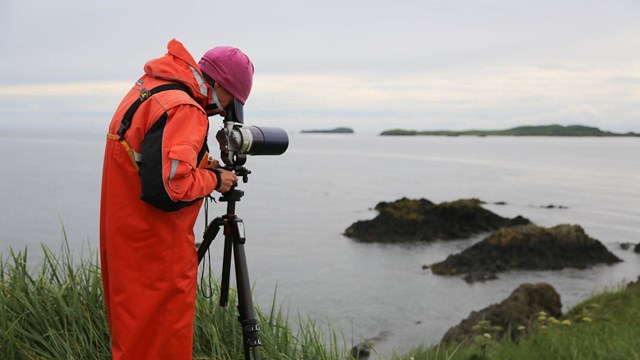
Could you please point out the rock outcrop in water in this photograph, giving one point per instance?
(504, 319)
(408, 220)
(634, 285)
(339, 130)
(527, 247)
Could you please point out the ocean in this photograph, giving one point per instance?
(297, 205)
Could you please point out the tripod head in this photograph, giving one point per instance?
(234, 194)
(240, 171)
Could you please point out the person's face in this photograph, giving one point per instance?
(224, 96)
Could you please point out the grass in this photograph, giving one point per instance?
(605, 326)
(56, 311)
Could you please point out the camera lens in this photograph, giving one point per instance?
(263, 140)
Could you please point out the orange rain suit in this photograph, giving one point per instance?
(148, 257)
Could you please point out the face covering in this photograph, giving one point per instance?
(214, 107)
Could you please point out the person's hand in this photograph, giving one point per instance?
(212, 163)
(227, 180)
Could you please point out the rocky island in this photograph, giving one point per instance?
(544, 130)
(407, 220)
(339, 130)
(527, 247)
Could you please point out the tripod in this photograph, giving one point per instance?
(234, 239)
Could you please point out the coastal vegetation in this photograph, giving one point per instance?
(604, 326)
(55, 310)
(542, 130)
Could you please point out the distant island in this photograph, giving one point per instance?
(339, 130)
(543, 130)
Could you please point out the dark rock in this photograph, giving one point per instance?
(500, 203)
(625, 246)
(551, 206)
(476, 276)
(637, 248)
(634, 285)
(517, 221)
(407, 220)
(528, 247)
(504, 318)
(362, 351)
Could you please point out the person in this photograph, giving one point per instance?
(156, 172)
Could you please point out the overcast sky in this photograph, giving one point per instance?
(370, 65)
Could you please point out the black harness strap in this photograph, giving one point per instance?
(150, 169)
(125, 124)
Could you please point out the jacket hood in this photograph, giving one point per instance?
(178, 65)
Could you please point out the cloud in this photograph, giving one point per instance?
(367, 64)
(61, 101)
(462, 98)
(459, 98)
(66, 89)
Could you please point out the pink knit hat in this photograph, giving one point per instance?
(230, 68)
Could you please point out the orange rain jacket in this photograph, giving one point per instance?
(148, 257)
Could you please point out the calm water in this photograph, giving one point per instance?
(297, 205)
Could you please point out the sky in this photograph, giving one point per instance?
(369, 65)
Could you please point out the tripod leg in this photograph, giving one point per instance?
(226, 269)
(250, 326)
(209, 234)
